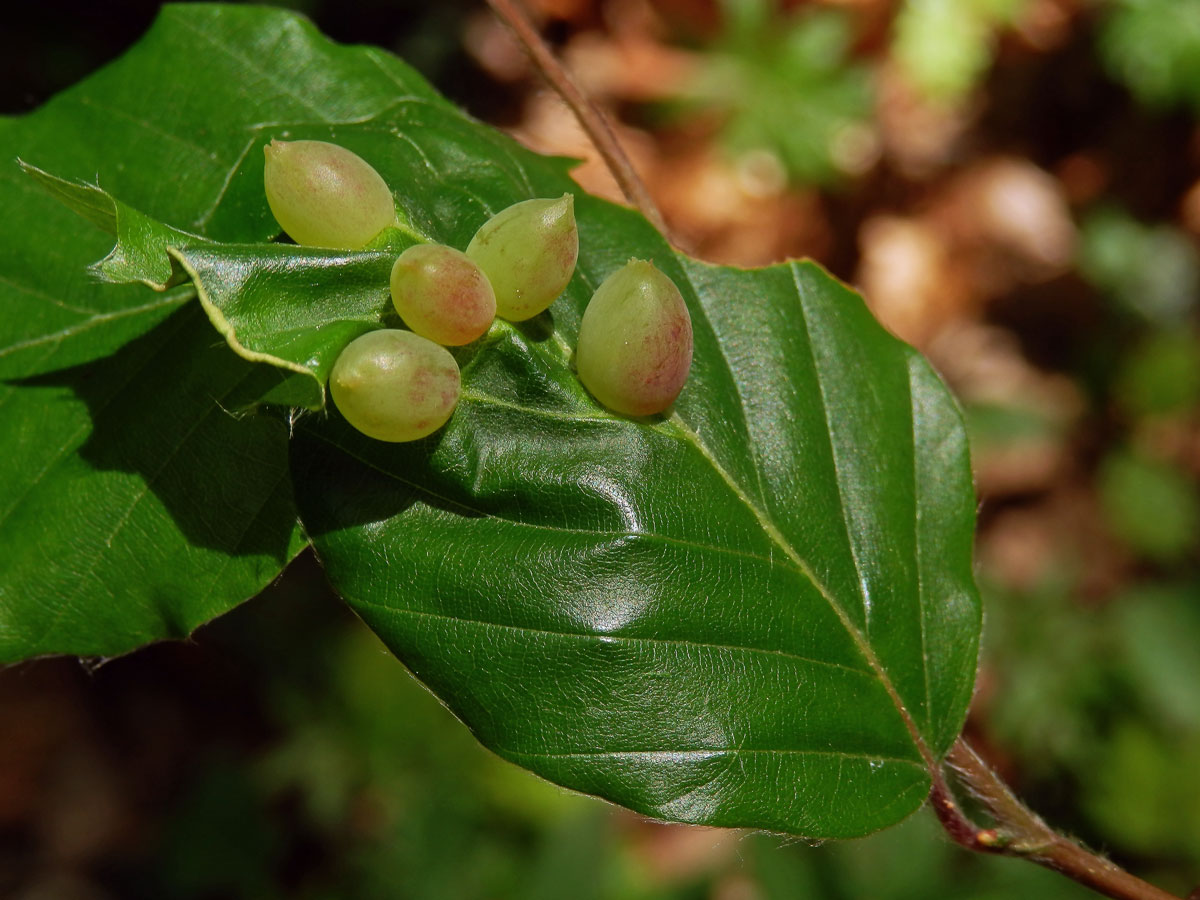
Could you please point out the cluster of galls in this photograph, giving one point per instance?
(635, 339)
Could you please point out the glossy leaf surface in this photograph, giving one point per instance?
(715, 618)
(758, 611)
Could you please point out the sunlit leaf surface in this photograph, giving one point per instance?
(756, 611)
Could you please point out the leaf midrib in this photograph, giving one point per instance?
(715, 751)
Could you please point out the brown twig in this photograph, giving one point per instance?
(1020, 832)
(595, 124)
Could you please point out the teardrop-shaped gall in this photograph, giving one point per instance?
(528, 252)
(442, 295)
(635, 341)
(323, 195)
(394, 385)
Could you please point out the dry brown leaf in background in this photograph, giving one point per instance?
(910, 277)
(1012, 219)
(1044, 25)
(495, 48)
(632, 68)
(737, 886)
(736, 214)
(1189, 209)
(1022, 547)
(984, 365)
(1062, 533)
(674, 853)
(919, 137)
(1084, 176)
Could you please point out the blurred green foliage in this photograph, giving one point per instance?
(1101, 709)
(1054, 689)
(1096, 667)
(1153, 46)
(1146, 788)
(1152, 505)
(944, 47)
(1160, 376)
(785, 84)
(1156, 629)
(1152, 271)
(1011, 426)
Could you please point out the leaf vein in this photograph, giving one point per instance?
(837, 469)
(737, 392)
(177, 299)
(917, 559)
(621, 638)
(87, 100)
(202, 220)
(253, 65)
(42, 295)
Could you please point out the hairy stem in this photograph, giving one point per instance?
(1020, 832)
(593, 121)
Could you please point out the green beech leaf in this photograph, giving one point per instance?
(758, 611)
(141, 251)
(174, 153)
(136, 506)
(105, 548)
(54, 313)
(747, 614)
(135, 501)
